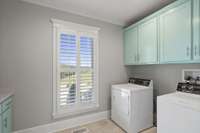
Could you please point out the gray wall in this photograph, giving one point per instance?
(165, 77)
(26, 59)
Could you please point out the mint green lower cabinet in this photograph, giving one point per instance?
(130, 46)
(148, 42)
(6, 116)
(196, 30)
(175, 34)
(7, 121)
(1, 129)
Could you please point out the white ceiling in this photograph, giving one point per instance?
(120, 12)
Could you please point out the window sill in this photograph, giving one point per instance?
(65, 113)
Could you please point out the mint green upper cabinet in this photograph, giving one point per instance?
(130, 46)
(171, 35)
(147, 45)
(175, 34)
(196, 30)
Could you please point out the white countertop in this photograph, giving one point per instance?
(5, 93)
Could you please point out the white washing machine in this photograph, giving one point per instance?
(179, 112)
(132, 105)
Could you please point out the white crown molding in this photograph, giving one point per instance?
(73, 12)
(72, 25)
(69, 123)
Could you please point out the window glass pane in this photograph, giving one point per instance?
(86, 86)
(67, 88)
(86, 52)
(68, 49)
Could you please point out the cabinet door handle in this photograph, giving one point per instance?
(195, 50)
(135, 58)
(138, 57)
(198, 49)
(188, 51)
(5, 122)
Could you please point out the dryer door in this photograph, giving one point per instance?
(120, 108)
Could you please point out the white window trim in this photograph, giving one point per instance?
(79, 27)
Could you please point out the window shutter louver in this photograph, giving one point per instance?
(68, 59)
(86, 86)
(86, 75)
(86, 52)
(68, 50)
(67, 90)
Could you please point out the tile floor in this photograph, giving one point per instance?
(104, 126)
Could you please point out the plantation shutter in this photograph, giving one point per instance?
(75, 69)
(86, 74)
(67, 64)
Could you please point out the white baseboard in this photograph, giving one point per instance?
(69, 123)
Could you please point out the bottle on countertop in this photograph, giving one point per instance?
(198, 80)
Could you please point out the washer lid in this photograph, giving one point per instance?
(186, 100)
(130, 87)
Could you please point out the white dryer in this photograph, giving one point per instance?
(132, 105)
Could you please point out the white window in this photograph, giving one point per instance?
(75, 68)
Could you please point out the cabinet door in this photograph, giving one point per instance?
(147, 53)
(130, 46)
(196, 30)
(1, 130)
(175, 34)
(7, 121)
